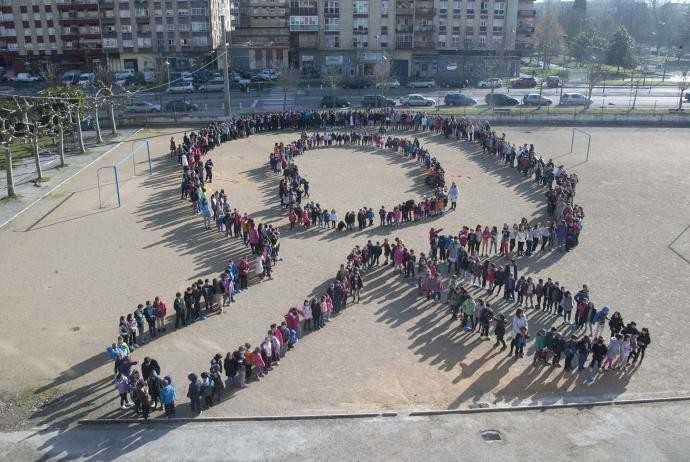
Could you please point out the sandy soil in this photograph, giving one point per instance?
(71, 269)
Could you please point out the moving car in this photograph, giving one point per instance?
(215, 84)
(357, 83)
(142, 106)
(377, 101)
(181, 87)
(535, 99)
(553, 81)
(500, 99)
(331, 101)
(393, 83)
(422, 83)
(490, 83)
(416, 100)
(523, 82)
(25, 77)
(574, 99)
(458, 99)
(178, 105)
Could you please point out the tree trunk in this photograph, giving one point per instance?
(99, 136)
(37, 158)
(285, 92)
(80, 135)
(111, 112)
(8, 169)
(61, 144)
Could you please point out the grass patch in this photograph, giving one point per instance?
(30, 395)
(22, 150)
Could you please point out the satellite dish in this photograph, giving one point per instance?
(452, 66)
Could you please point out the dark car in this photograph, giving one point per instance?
(377, 101)
(458, 99)
(331, 101)
(553, 81)
(180, 106)
(500, 99)
(358, 83)
(523, 82)
(687, 97)
(453, 84)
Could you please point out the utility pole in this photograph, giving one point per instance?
(224, 62)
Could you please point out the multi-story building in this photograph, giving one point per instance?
(35, 33)
(447, 39)
(142, 34)
(261, 36)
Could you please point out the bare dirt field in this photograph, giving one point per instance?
(70, 269)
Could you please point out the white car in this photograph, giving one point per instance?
(142, 106)
(393, 83)
(490, 83)
(574, 99)
(268, 74)
(181, 87)
(416, 100)
(25, 77)
(422, 83)
(121, 75)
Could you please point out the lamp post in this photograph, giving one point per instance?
(224, 63)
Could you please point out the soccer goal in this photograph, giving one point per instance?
(136, 162)
(581, 135)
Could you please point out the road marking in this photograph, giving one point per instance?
(256, 101)
(70, 177)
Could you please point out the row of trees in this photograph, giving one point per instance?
(59, 110)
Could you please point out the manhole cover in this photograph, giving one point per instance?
(491, 436)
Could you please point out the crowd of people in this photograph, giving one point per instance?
(147, 390)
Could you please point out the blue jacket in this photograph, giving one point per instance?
(167, 394)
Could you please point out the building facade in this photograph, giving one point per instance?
(261, 37)
(36, 33)
(443, 39)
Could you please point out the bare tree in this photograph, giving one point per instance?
(50, 73)
(104, 84)
(382, 75)
(548, 36)
(287, 79)
(8, 126)
(332, 77)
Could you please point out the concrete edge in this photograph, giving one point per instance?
(541, 407)
(177, 420)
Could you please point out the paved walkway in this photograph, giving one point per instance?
(25, 172)
(635, 432)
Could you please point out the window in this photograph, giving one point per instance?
(332, 41)
(171, 27)
(499, 8)
(332, 7)
(30, 46)
(159, 27)
(39, 31)
(198, 12)
(110, 28)
(360, 7)
(456, 29)
(331, 24)
(158, 13)
(144, 42)
(482, 41)
(127, 44)
(49, 16)
(25, 17)
(200, 41)
(109, 43)
(8, 17)
(485, 8)
(384, 41)
(199, 26)
(482, 25)
(384, 30)
(126, 28)
(359, 41)
(53, 46)
(142, 13)
(498, 28)
(456, 8)
(109, 14)
(384, 7)
(94, 30)
(497, 39)
(184, 27)
(37, 16)
(470, 7)
(27, 32)
(124, 13)
(12, 46)
(169, 12)
(442, 41)
(183, 12)
(184, 42)
(455, 41)
(171, 42)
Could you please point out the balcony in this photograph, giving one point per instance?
(404, 11)
(142, 18)
(304, 11)
(304, 23)
(424, 45)
(403, 28)
(423, 28)
(526, 13)
(404, 45)
(360, 31)
(525, 29)
(425, 12)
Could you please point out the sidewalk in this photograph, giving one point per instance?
(25, 172)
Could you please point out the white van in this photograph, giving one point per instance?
(87, 78)
(121, 75)
(70, 77)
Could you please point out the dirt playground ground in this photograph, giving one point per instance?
(69, 269)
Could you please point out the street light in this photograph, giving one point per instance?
(167, 66)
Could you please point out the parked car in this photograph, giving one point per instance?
(523, 82)
(86, 79)
(377, 101)
(416, 100)
(490, 83)
(334, 101)
(458, 99)
(124, 74)
(500, 99)
(267, 74)
(142, 106)
(178, 105)
(453, 84)
(393, 83)
(535, 99)
(181, 87)
(687, 96)
(25, 77)
(70, 77)
(574, 99)
(358, 83)
(215, 84)
(553, 81)
(422, 83)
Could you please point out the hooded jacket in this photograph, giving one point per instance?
(167, 393)
(194, 390)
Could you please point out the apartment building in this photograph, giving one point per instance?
(261, 37)
(445, 39)
(143, 34)
(35, 33)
